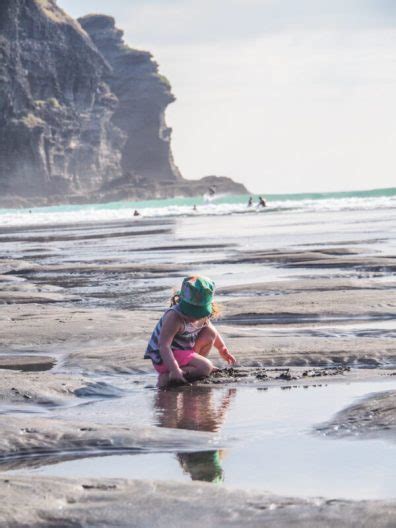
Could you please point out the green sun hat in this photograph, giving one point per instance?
(196, 297)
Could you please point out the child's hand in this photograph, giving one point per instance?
(177, 377)
(229, 358)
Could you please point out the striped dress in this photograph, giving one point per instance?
(183, 340)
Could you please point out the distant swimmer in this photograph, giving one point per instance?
(195, 208)
(261, 202)
(136, 213)
(250, 202)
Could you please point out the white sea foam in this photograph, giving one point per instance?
(184, 207)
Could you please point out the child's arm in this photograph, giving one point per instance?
(221, 347)
(170, 327)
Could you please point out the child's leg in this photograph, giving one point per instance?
(163, 375)
(199, 367)
(205, 341)
(163, 380)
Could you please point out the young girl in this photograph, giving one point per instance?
(184, 335)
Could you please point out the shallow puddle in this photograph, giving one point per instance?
(268, 438)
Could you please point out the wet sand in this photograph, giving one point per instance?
(61, 502)
(373, 417)
(77, 307)
(26, 441)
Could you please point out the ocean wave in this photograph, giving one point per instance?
(224, 205)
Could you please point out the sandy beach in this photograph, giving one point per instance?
(232, 161)
(305, 307)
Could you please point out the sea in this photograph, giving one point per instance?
(218, 205)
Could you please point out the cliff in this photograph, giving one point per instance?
(143, 97)
(81, 114)
(56, 134)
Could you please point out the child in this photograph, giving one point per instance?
(184, 335)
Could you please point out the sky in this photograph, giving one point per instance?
(281, 95)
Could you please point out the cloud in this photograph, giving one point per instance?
(194, 21)
(285, 95)
(287, 112)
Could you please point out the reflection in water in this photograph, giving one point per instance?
(204, 466)
(195, 408)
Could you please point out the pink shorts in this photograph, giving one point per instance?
(183, 358)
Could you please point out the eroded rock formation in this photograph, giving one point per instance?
(81, 114)
(143, 96)
(56, 134)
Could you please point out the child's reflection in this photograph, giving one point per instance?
(195, 408)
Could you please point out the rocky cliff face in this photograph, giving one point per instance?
(143, 96)
(81, 114)
(56, 133)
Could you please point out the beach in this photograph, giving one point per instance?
(301, 431)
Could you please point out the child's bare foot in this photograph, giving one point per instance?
(163, 380)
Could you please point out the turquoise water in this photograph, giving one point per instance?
(205, 206)
(222, 199)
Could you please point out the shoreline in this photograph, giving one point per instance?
(59, 311)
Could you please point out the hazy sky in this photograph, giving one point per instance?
(282, 95)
